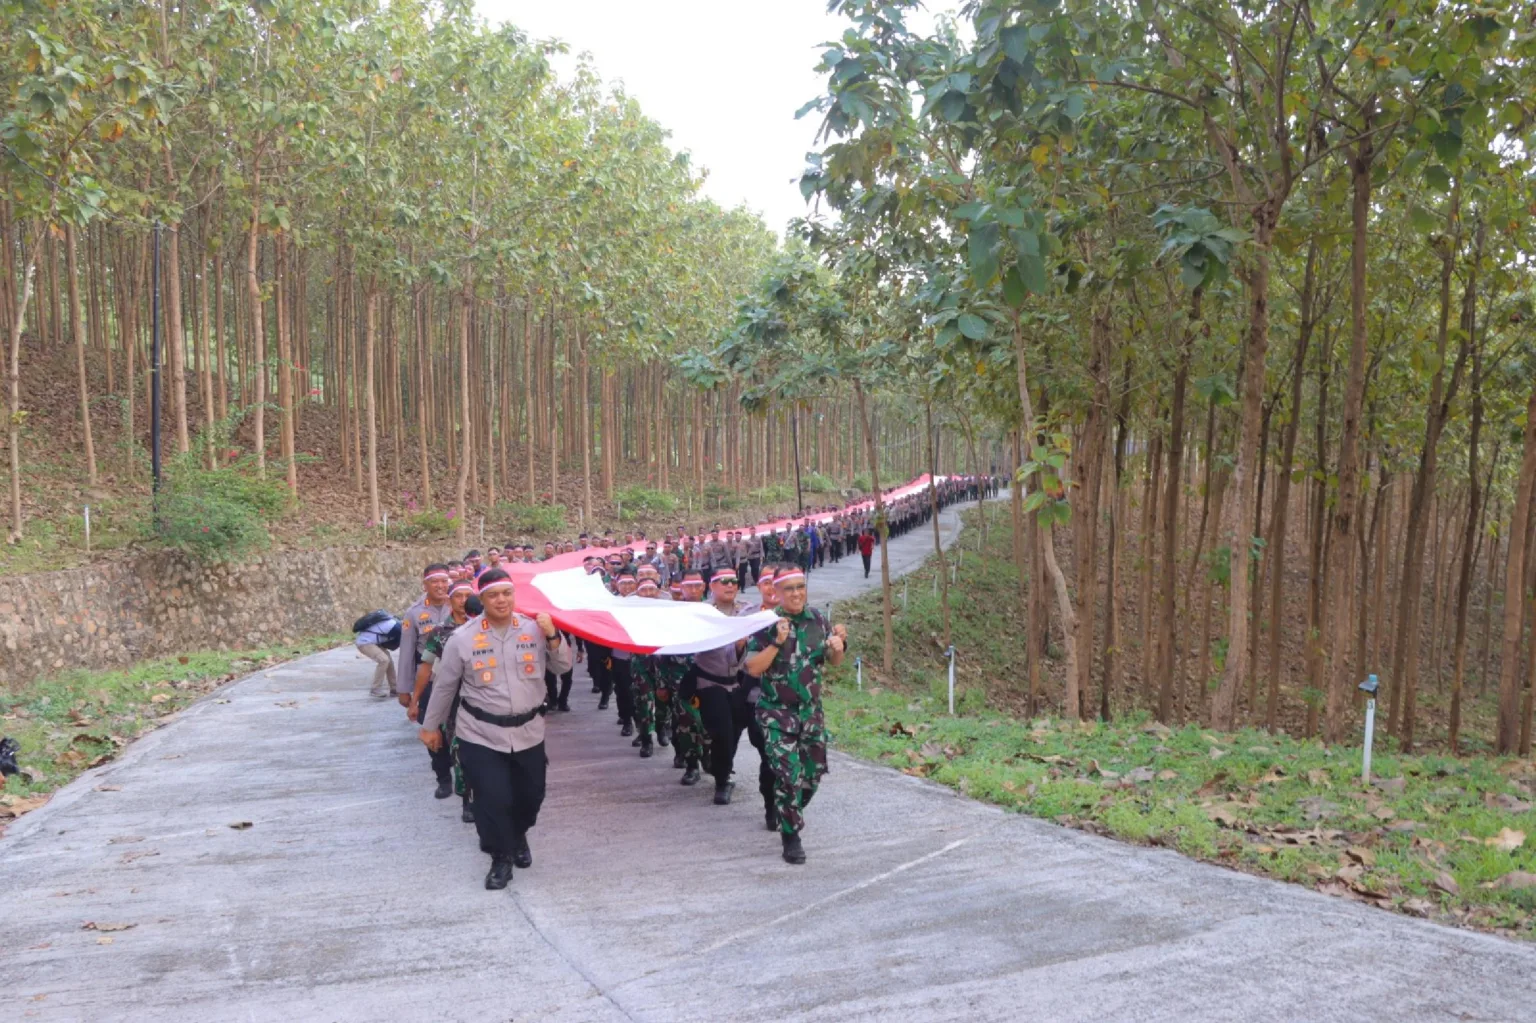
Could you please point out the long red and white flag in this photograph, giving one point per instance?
(580, 604)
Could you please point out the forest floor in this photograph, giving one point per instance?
(1431, 835)
(332, 507)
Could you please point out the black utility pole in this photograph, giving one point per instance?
(154, 376)
(794, 436)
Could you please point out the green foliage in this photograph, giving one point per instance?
(639, 502)
(861, 481)
(774, 494)
(527, 520)
(432, 524)
(816, 483)
(217, 514)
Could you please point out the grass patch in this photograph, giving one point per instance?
(1432, 835)
(78, 720)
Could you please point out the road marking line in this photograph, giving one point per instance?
(803, 910)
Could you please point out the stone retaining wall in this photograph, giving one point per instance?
(159, 604)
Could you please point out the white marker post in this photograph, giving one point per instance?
(950, 653)
(386, 525)
(1369, 687)
(87, 529)
(858, 667)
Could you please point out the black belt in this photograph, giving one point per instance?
(503, 720)
(728, 682)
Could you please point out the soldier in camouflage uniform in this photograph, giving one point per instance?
(463, 605)
(689, 740)
(789, 658)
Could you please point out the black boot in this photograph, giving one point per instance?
(794, 852)
(723, 790)
(663, 737)
(627, 730)
(603, 703)
(501, 873)
(522, 856)
(770, 818)
(646, 749)
(467, 815)
(444, 789)
(677, 759)
(691, 776)
(564, 706)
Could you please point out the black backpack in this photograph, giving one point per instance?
(369, 620)
(391, 640)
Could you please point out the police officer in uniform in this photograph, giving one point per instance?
(495, 665)
(420, 619)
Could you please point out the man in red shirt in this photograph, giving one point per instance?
(866, 548)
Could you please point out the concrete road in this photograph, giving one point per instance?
(354, 895)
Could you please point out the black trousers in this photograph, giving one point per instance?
(866, 558)
(554, 696)
(509, 790)
(441, 759)
(741, 573)
(725, 715)
(597, 660)
(757, 569)
(623, 687)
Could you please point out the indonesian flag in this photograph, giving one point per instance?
(580, 604)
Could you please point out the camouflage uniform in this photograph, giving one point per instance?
(790, 714)
(643, 686)
(431, 651)
(688, 738)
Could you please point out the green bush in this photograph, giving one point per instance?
(774, 493)
(427, 525)
(644, 503)
(217, 514)
(530, 520)
(861, 482)
(816, 483)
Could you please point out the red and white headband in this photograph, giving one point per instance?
(498, 584)
(429, 576)
(723, 575)
(788, 577)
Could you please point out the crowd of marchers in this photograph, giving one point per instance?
(481, 681)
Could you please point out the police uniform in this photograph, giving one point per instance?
(498, 677)
(415, 628)
(723, 708)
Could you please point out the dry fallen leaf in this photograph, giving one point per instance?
(92, 925)
(1361, 855)
(1507, 840)
(1167, 775)
(1505, 801)
(1418, 907)
(1384, 813)
(109, 788)
(1350, 874)
(240, 825)
(1318, 776)
(1273, 776)
(124, 839)
(1217, 754)
(1513, 881)
(1446, 883)
(104, 941)
(15, 806)
(159, 697)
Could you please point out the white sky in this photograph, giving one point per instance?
(724, 76)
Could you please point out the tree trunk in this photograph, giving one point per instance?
(77, 328)
(1508, 734)
(933, 507)
(370, 335)
(13, 375)
(461, 506)
(258, 328)
(1048, 547)
(1342, 522)
(1170, 517)
(881, 529)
